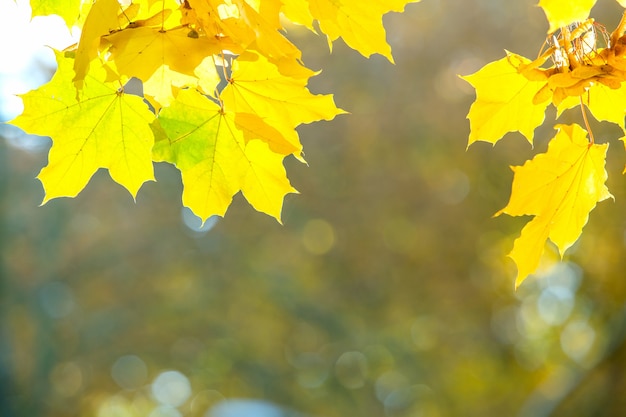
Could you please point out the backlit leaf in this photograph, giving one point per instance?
(140, 52)
(100, 21)
(560, 188)
(358, 23)
(606, 104)
(67, 9)
(107, 128)
(257, 87)
(504, 101)
(564, 12)
(216, 160)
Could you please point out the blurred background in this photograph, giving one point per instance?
(387, 291)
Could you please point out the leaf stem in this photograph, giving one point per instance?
(582, 109)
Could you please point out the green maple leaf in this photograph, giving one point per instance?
(106, 128)
(218, 157)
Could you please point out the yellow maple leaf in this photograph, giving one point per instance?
(216, 160)
(162, 86)
(270, 42)
(102, 18)
(504, 101)
(141, 51)
(160, 89)
(561, 13)
(297, 11)
(359, 23)
(257, 87)
(606, 104)
(67, 9)
(560, 188)
(253, 27)
(106, 128)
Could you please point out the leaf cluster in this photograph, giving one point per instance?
(587, 69)
(222, 93)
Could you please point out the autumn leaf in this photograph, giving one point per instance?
(257, 87)
(605, 103)
(297, 11)
(561, 13)
(140, 52)
(106, 128)
(216, 159)
(102, 18)
(270, 42)
(504, 101)
(560, 188)
(67, 9)
(357, 22)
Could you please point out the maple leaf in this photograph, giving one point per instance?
(504, 101)
(248, 29)
(67, 9)
(605, 103)
(560, 188)
(270, 42)
(257, 87)
(140, 52)
(357, 22)
(561, 13)
(106, 128)
(216, 160)
(102, 18)
(297, 11)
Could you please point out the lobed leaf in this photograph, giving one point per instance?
(67, 9)
(100, 21)
(106, 128)
(357, 22)
(504, 101)
(605, 103)
(560, 188)
(140, 52)
(257, 87)
(561, 13)
(215, 158)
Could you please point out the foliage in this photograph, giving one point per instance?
(561, 186)
(223, 92)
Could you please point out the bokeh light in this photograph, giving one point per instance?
(129, 372)
(171, 388)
